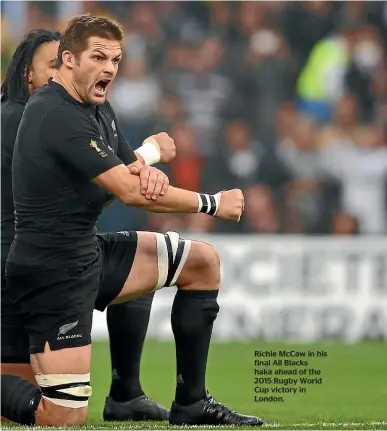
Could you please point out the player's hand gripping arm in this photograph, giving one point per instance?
(227, 205)
(158, 148)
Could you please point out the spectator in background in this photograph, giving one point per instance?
(176, 63)
(135, 96)
(361, 169)
(169, 112)
(261, 211)
(269, 81)
(221, 23)
(178, 25)
(344, 126)
(304, 191)
(364, 60)
(305, 23)
(205, 93)
(186, 169)
(235, 164)
(286, 116)
(321, 81)
(145, 35)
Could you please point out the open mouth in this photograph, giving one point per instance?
(102, 85)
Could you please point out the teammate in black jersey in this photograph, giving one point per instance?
(31, 66)
(67, 164)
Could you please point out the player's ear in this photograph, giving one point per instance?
(28, 75)
(68, 59)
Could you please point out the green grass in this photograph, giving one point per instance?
(353, 394)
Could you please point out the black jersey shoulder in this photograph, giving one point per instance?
(57, 111)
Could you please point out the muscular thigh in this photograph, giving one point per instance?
(143, 273)
(118, 251)
(179, 263)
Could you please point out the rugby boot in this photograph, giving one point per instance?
(208, 411)
(138, 409)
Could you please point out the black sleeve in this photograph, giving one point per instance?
(72, 137)
(125, 151)
(10, 120)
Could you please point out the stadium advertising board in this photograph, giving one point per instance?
(295, 288)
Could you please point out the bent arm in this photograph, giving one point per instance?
(80, 146)
(126, 187)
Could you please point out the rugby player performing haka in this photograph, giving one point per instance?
(66, 166)
(31, 66)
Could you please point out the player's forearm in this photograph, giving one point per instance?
(126, 187)
(175, 200)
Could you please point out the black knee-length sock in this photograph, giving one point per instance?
(193, 315)
(19, 399)
(127, 325)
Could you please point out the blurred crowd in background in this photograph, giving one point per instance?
(284, 99)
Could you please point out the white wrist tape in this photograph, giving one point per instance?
(150, 152)
(208, 204)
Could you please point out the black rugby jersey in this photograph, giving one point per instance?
(11, 114)
(61, 146)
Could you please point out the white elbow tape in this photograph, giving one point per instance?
(150, 152)
(66, 390)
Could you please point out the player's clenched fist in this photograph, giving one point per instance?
(161, 149)
(167, 147)
(231, 205)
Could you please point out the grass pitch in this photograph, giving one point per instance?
(352, 395)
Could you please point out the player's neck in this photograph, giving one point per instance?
(65, 81)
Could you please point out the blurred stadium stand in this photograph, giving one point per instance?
(287, 100)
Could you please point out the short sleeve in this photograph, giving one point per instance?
(125, 151)
(73, 138)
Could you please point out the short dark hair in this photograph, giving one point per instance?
(15, 85)
(80, 28)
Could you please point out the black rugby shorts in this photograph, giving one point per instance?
(56, 305)
(14, 336)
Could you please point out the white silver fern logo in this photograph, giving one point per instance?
(114, 128)
(66, 328)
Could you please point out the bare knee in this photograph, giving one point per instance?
(59, 372)
(50, 414)
(202, 267)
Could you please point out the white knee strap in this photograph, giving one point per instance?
(66, 390)
(172, 253)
